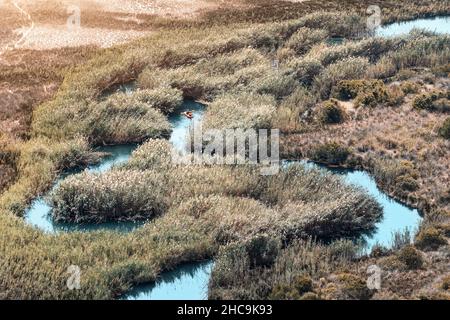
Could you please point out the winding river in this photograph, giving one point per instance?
(190, 281)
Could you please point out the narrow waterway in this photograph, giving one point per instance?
(437, 24)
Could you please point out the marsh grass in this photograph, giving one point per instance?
(206, 214)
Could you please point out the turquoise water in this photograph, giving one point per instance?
(182, 125)
(187, 282)
(438, 25)
(397, 217)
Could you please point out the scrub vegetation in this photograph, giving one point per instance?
(364, 103)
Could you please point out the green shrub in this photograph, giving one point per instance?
(302, 284)
(411, 258)
(330, 153)
(429, 238)
(354, 287)
(444, 131)
(303, 40)
(262, 251)
(295, 290)
(432, 101)
(163, 99)
(331, 112)
(121, 195)
(284, 292)
(409, 87)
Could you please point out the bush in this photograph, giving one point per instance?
(409, 87)
(262, 251)
(429, 238)
(446, 283)
(365, 92)
(113, 196)
(331, 112)
(444, 130)
(163, 99)
(354, 287)
(411, 258)
(397, 176)
(432, 101)
(330, 153)
(294, 110)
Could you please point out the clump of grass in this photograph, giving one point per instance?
(429, 238)
(163, 99)
(304, 39)
(348, 68)
(240, 111)
(331, 112)
(122, 195)
(354, 287)
(444, 130)
(155, 154)
(411, 258)
(294, 110)
(432, 101)
(410, 87)
(397, 176)
(294, 291)
(305, 69)
(330, 153)
(291, 276)
(368, 92)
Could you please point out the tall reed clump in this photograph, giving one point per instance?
(304, 38)
(152, 155)
(348, 68)
(118, 120)
(121, 195)
(163, 99)
(285, 274)
(240, 111)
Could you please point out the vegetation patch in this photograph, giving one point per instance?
(433, 101)
(429, 238)
(331, 112)
(444, 130)
(114, 196)
(330, 153)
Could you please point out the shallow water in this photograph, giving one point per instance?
(397, 217)
(187, 282)
(437, 24)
